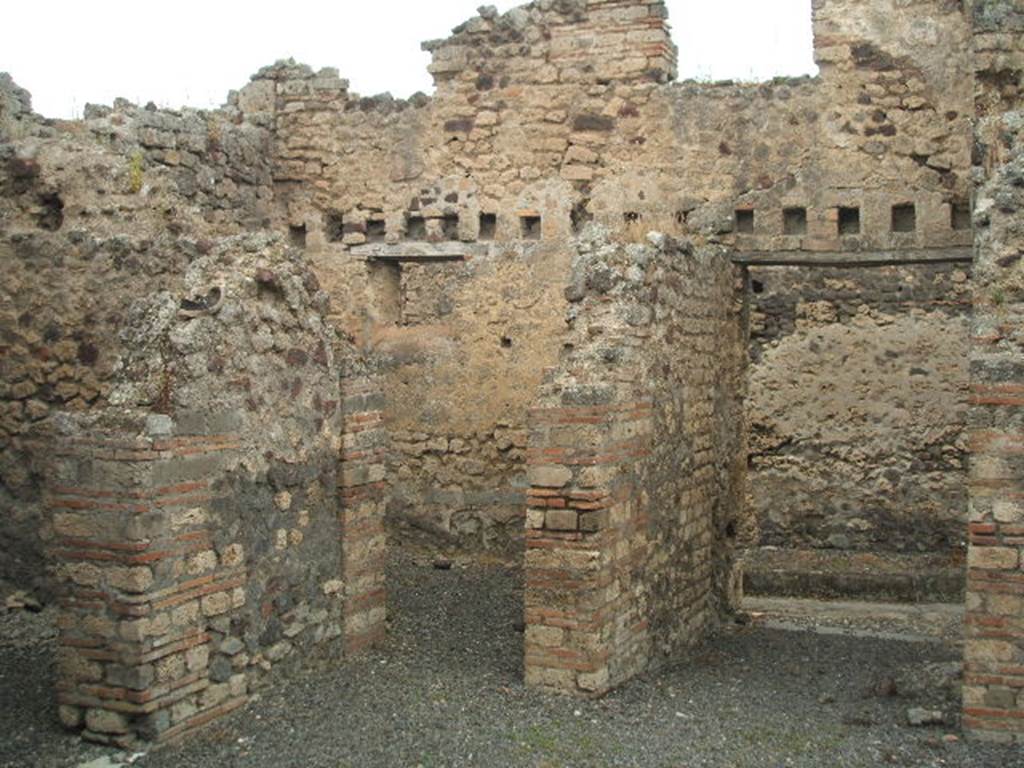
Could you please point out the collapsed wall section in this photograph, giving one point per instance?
(636, 465)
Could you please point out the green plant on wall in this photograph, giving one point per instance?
(135, 173)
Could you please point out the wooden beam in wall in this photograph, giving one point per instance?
(958, 255)
(420, 251)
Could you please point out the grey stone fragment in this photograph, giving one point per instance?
(221, 669)
(159, 425)
(103, 762)
(920, 717)
(549, 476)
(232, 646)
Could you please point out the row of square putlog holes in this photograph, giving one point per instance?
(904, 219)
(375, 230)
(794, 222)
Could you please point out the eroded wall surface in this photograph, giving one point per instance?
(196, 541)
(994, 649)
(187, 444)
(96, 214)
(458, 386)
(216, 498)
(857, 407)
(635, 465)
(464, 344)
(994, 654)
(557, 114)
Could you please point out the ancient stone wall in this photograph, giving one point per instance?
(444, 232)
(197, 536)
(857, 407)
(994, 651)
(363, 502)
(826, 167)
(458, 387)
(559, 113)
(635, 465)
(95, 214)
(872, 458)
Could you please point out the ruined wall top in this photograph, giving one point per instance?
(557, 41)
(15, 105)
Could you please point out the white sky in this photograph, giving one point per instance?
(192, 52)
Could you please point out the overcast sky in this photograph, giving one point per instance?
(192, 52)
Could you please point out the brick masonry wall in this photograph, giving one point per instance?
(994, 651)
(545, 118)
(558, 110)
(363, 502)
(635, 466)
(457, 388)
(579, 41)
(145, 649)
(222, 520)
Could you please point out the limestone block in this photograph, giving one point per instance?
(216, 604)
(561, 520)
(549, 476)
(993, 558)
(105, 721)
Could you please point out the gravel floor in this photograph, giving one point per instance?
(447, 692)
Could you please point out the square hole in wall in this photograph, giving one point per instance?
(530, 227)
(376, 231)
(960, 215)
(450, 226)
(794, 221)
(745, 221)
(849, 221)
(904, 217)
(415, 228)
(580, 215)
(334, 227)
(297, 236)
(488, 226)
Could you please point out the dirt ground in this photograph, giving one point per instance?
(802, 683)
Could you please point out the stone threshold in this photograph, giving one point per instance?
(854, 575)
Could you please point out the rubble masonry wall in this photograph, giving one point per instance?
(565, 113)
(994, 649)
(635, 466)
(200, 521)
